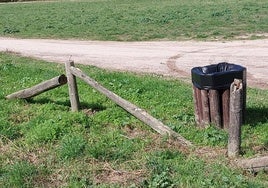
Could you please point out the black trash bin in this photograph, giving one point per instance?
(211, 92)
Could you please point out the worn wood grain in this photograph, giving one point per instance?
(72, 86)
(236, 112)
(39, 88)
(225, 108)
(197, 105)
(205, 108)
(255, 164)
(214, 105)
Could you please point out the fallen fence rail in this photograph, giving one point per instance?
(39, 88)
(255, 164)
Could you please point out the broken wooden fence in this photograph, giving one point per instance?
(72, 72)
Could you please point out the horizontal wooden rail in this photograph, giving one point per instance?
(255, 164)
(39, 88)
(131, 108)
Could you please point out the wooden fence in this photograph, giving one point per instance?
(72, 72)
(235, 104)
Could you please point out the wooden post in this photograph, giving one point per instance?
(205, 108)
(73, 92)
(225, 108)
(39, 88)
(131, 108)
(197, 105)
(236, 111)
(214, 105)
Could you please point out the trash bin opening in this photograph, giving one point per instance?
(216, 76)
(217, 68)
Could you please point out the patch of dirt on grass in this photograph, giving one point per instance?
(133, 132)
(122, 177)
(89, 112)
(210, 153)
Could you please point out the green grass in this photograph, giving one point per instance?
(126, 20)
(44, 144)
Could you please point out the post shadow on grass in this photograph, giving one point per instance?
(83, 105)
(256, 116)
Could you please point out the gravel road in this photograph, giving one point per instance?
(166, 58)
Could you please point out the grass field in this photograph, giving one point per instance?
(126, 20)
(43, 144)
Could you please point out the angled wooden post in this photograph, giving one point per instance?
(72, 85)
(131, 108)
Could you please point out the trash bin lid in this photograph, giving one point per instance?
(216, 76)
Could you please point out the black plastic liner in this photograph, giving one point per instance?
(216, 76)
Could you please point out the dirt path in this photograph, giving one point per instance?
(163, 57)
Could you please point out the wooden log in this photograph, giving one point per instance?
(197, 105)
(236, 109)
(131, 108)
(225, 97)
(72, 85)
(205, 108)
(255, 164)
(39, 88)
(214, 105)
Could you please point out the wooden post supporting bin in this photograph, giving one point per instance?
(215, 107)
(211, 90)
(211, 107)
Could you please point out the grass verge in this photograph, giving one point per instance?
(43, 144)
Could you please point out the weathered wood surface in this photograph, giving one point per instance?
(236, 112)
(197, 105)
(214, 105)
(39, 88)
(205, 108)
(131, 108)
(254, 165)
(225, 108)
(72, 85)
(244, 94)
